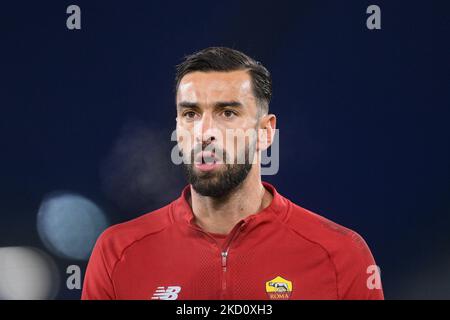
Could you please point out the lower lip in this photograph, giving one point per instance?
(206, 166)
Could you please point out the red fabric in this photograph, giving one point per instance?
(164, 248)
(220, 238)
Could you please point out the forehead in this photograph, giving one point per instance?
(212, 85)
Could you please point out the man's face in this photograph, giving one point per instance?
(215, 110)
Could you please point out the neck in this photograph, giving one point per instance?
(220, 215)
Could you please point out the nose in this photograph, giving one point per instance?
(205, 129)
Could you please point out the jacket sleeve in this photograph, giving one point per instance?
(98, 284)
(358, 276)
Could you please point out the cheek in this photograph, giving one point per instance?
(236, 145)
(185, 138)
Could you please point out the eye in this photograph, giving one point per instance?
(229, 113)
(190, 115)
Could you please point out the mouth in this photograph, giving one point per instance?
(206, 161)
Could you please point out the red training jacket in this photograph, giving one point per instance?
(282, 252)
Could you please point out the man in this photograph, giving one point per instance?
(229, 235)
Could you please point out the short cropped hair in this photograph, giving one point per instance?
(226, 59)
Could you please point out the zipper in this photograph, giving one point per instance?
(224, 256)
(224, 253)
(224, 270)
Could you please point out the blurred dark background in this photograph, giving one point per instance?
(363, 116)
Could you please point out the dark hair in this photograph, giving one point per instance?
(226, 59)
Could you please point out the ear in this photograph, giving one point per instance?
(266, 132)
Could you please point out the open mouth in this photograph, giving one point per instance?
(206, 157)
(206, 161)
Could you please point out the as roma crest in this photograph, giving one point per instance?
(279, 288)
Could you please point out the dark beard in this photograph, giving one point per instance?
(217, 184)
(220, 183)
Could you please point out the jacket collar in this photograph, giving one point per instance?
(278, 208)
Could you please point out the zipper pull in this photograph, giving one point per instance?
(224, 259)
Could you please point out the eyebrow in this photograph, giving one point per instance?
(187, 105)
(222, 104)
(219, 104)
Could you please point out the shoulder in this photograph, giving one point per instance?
(115, 239)
(112, 244)
(329, 234)
(345, 247)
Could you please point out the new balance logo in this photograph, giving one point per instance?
(171, 293)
